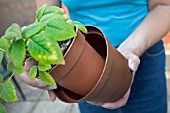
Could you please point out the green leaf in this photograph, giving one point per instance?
(4, 45)
(1, 78)
(15, 28)
(33, 72)
(49, 16)
(8, 92)
(46, 78)
(44, 49)
(60, 30)
(2, 108)
(53, 9)
(10, 35)
(44, 67)
(32, 29)
(65, 16)
(40, 11)
(13, 31)
(18, 52)
(1, 56)
(9, 51)
(10, 66)
(80, 26)
(19, 70)
(71, 23)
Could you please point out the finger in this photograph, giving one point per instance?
(52, 95)
(29, 64)
(95, 103)
(35, 82)
(48, 87)
(121, 102)
(133, 63)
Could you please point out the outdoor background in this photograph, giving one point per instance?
(37, 101)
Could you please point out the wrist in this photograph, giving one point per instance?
(135, 47)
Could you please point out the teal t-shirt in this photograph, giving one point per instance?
(116, 18)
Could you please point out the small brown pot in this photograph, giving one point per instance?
(102, 80)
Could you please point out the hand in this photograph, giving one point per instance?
(36, 82)
(65, 10)
(133, 62)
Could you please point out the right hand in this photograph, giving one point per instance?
(36, 82)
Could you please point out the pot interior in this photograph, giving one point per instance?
(98, 43)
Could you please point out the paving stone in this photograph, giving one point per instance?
(74, 109)
(51, 107)
(20, 107)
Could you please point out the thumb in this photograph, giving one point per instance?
(133, 62)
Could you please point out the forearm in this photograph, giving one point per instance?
(151, 30)
(39, 3)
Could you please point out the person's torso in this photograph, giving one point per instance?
(116, 18)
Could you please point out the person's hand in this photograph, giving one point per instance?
(65, 10)
(133, 63)
(36, 82)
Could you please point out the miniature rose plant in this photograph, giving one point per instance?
(41, 41)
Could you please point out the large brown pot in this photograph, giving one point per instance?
(106, 77)
(83, 67)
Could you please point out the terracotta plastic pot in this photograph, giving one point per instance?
(114, 77)
(83, 67)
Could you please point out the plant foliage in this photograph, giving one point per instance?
(40, 41)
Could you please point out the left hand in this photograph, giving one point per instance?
(133, 63)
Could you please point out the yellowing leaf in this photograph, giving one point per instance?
(46, 78)
(44, 49)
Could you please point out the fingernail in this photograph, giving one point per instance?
(52, 87)
(105, 106)
(41, 84)
(52, 100)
